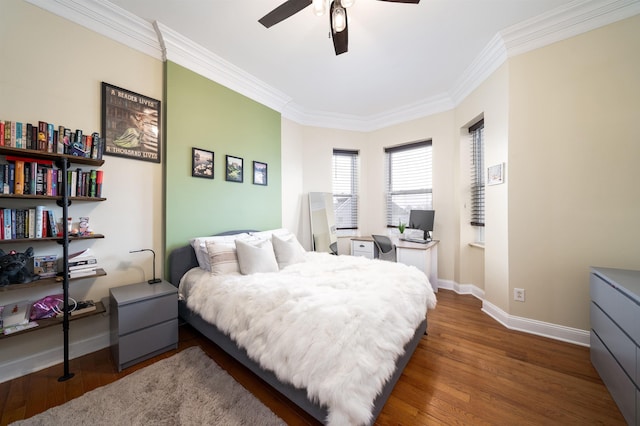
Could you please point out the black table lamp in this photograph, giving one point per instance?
(154, 280)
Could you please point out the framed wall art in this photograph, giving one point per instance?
(202, 163)
(495, 174)
(234, 169)
(259, 173)
(130, 124)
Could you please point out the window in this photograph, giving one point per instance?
(477, 177)
(409, 183)
(345, 188)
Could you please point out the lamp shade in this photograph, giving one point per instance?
(338, 19)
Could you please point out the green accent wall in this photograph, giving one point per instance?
(203, 114)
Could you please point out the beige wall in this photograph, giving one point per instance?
(489, 100)
(574, 199)
(562, 118)
(51, 71)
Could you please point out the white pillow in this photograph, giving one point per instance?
(199, 245)
(266, 235)
(223, 258)
(287, 249)
(256, 257)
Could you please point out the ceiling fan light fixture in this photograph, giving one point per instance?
(338, 18)
(319, 7)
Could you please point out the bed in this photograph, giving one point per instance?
(186, 272)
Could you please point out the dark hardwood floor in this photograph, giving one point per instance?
(469, 370)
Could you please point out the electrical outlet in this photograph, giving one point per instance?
(518, 294)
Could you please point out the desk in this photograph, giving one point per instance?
(422, 256)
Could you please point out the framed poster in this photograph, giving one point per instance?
(259, 173)
(201, 163)
(234, 169)
(130, 124)
(495, 174)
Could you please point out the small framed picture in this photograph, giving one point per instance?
(201, 163)
(259, 173)
(234, 169)
(495, 174)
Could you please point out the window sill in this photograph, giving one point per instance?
(477, 245)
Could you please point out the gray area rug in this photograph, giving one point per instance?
(187, 389)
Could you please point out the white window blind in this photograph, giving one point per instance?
(477, 173)
(409, 180)
(345, 188)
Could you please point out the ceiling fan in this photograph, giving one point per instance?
(337, 17)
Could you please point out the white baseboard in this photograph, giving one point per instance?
(512, 322)
(539, 328)
(53, 356)
(461, 288)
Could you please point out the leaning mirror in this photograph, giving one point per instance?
(323, 227)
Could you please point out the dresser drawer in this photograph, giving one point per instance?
(619, 384)
(618, 343)
(618, 306)
(147, 341)
(142, 314)
(363, 248)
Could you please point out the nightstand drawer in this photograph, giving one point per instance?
(145, 342)
(138, 315)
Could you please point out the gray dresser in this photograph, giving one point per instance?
(615, 336)
(144, 321)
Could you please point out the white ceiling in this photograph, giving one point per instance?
(402, 58)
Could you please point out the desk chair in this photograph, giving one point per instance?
(386, 249)
(334, 248)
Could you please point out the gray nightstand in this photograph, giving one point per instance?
(144, 321)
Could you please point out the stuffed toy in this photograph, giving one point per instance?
(13, 267)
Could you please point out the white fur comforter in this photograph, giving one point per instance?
(332, 324)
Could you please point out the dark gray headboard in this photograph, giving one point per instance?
(184, 258)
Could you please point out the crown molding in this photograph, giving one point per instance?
(108, 20)
(183, 51)
(161, 42)
(566, 21)
(561, 23)
(486, 63)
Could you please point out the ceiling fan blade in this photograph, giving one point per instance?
(284, 11)
(340, 39)
(403, 1)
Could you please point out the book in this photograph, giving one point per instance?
(39, 226)
(92, 266)
(53, 223)
(99, 177)
(32, 223)
(18, 184)
(12, 177)
(82, 273)
(85, 262)
(7, 224)
(42, 136)
(81, 255)
(92, 183)
(1, 133)
(49, 137)
(18, 134)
